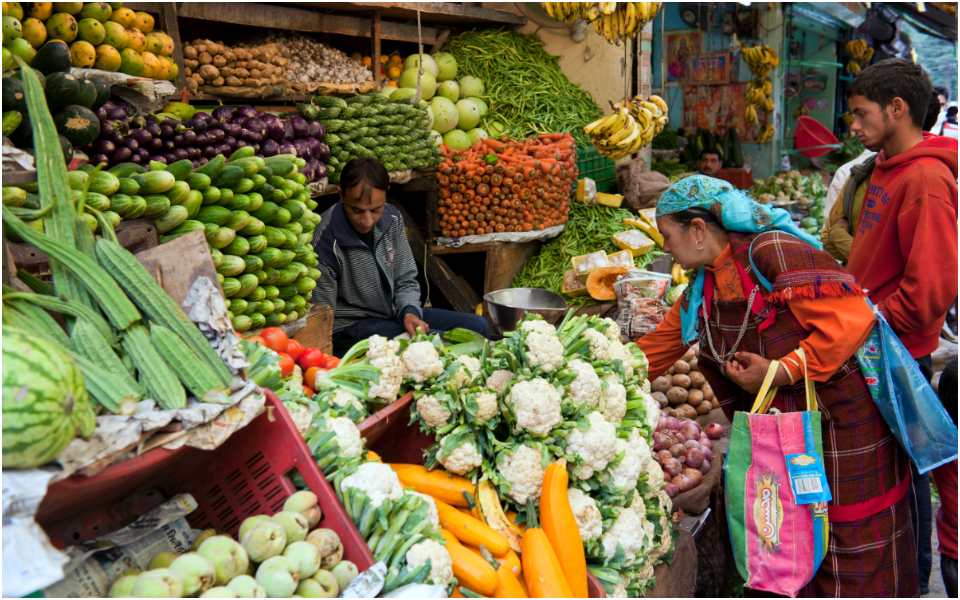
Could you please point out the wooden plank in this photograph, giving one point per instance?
(441, 40)
(504, 262)
(375, 47)
(438, 250)
(168, 20)
(457, 291)
(180, 262)
(434, 12)
(318, 331)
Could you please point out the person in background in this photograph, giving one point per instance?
(904, 247)
(945, 477)
(709, 163)
(368, 274)
(943, 97)
(949, 128)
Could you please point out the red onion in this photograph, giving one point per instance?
(672, 467)
(682, 483)
(693, 475)
(705, 467)
(663, 455)
(661, 421)
(673, 423)
(691, 444)
(705, 442)
(671, 490)
(707, 454)
(680, 438)
(690, 430)
(677, 450)
(714, 431)
(694, 457)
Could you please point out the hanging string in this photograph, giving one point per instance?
(416, 97)
(663, 54)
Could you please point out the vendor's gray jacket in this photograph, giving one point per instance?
(359, 282)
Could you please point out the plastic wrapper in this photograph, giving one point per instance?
(634, 241)
(572, 286)
(587, 191)
(620, 259)
(640, 302)
(585, 263)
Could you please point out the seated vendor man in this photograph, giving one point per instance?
(368, 275)
(709, 162)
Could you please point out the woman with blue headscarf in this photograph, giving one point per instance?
(761, 290)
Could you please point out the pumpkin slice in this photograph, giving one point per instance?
(600, 282)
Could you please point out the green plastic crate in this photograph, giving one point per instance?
(601, 170)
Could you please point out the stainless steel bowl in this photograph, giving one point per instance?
(507, 307)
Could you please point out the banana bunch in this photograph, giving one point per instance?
(853, 68)
(762, 60)
(801, 112)
(632, 125)
(759, 92)
(847, 117)
(623, 22)
(750, 114)
(858, 51)
(765, 135)
(568, 12)
(679, 277)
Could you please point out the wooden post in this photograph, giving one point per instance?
(375, 46)
(168, 20)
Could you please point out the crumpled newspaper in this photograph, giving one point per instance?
(207, 309)
(523, 236)
(148, 95)
(30, 562)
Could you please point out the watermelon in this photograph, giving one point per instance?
(45, 404)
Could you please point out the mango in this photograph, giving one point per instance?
(136, 40)
(100, 11)
(71, 8)
(91, 30)
(144, 22)
(154, 44)
(107, 58)
(131, 62)
(124, 16)
(82, 55)
(34, 32)
(116, 35)
(12, 29)
(40, 11)
(22, 48)
(14, 9)
(62, 26)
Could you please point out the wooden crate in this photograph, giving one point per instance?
(318, 332)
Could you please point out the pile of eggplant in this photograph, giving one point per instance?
(143, 138)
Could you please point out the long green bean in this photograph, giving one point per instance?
(590, 228)
(527, 92)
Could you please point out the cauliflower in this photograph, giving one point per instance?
(613, 399)
(624, 477)
(617, 351)
(421, 362)
(585, 511)
(441, 565)
(382, 354)
(348, 436)
(344, 399)
(651, 409)
(645, 388)
(524, 472)
(462, 459)
(666, 504)
(646, 572)
(377, 480)
(627, 531)
(766, 198)
(648, 528)
(612, 332)
(586, 386)
(654, 475)
(486, 406)
(545, 350)
(538, 326)
(468, 371)
(793, 174)
(596, 446)
(640, 446)
(619, 591)
(537, 406)
(432, 512)
(599, 344)
(432, 412)
(498, 381)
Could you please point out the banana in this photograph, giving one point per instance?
(625, 142)
(659, 102)
(548, 8)
(488, 503)
(591, 12)
(608, 8)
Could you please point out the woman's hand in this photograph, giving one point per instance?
(749, 370)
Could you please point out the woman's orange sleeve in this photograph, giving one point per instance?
(837, 326)
(664, 346)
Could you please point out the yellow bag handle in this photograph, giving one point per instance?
(766, 394)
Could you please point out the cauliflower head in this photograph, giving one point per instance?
(432, 512)
(487, 407)
(524, 472)
(599, 344)
(537, 406)
(585, 511)
(640, 446)
(586, 386)
(612, 332)
(421, 362)
(462, 459)
(382, 353)
(377, 480)
(666, 504)
(613, 399)
(596, 446)
(538, 326)
(499, 380)
(468, 371)
(343, 400)
(617, 351)
(441, 565)
(432, 412)
(624, 476)
(654, 475)
(619, 591)
(348, 436)
(651, 410)
(544, 350)
(627, 531)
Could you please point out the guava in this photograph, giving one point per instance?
(471, 86)
(219, 592)
(457, 139)
(122, 587)
(247, 587)
(162, 560)
(477, 133)
(196, 571)
(328, 543)
(249, 523)
(229, 559)
(264, 540)
(322, 585)
(445, 115)
(390, 90)
(278, 577)
(304, 557)
(294, 525)
(159, 583)
(428, 84)
(300, 501)
(413, 62)
(469, 114)
(345, 572)
(481, 104)
(446, 66)
(450, 90)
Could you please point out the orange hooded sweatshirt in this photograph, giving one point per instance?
(904, 251)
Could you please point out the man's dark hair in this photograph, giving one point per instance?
(933, 112)
(710, 150)
(942, 91)
(367, 172)
(895, 78)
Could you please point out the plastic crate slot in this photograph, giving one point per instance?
(239, 487)
(215, 498)
(246, 498)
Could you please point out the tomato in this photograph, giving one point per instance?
(310, 377)
(256, 339)
(311, 357)
(275, 339)
(294, 348)
(286, 364)
(308, 391)
(330, 361)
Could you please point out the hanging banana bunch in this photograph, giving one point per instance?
(847, 117)
(615, 21)
(765, 135)
(762, 60)
(801, 112)
(568, 12)
(632, 125)
(860, 53)
(758, 97)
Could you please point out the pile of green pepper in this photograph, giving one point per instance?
(590, 228)
(528, 93)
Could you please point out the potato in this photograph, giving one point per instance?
(695, 398)
(192, 85)
(191, 64)
(242, 73)
(677, 395)
(714, 403)
(251, 82)
(670, 371)
(189, 52)
(697, 380)
(689, 355)
(660, 384)
(218, 82)
(228, 72)
(661, 399)
(234, 82)
(255, 73)
(681, 366)
(669, 412)
(704, 408)
(219, 61)
(205, 58)
(687, 411)
(694, 364)
(209, 72)
(707, 391)
(681, 381)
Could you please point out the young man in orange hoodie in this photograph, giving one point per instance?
(904, 248)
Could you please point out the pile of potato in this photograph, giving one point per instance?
(219, 65)
(683, 391)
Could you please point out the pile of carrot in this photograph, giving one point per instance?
(507, 186)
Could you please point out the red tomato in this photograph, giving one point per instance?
(275, 339)
(294, 348)
(286, 364)
(311, 357)
(310, 377)
(256, 339)
(330, 361)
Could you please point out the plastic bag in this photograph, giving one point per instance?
(640, 300)
(906, 400)
(584, 264)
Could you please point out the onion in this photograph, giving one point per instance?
(694, 457)
(694, 475)
(707, 454)
(662, 421)
(705, 467)
(682, 483)
(672, 467)
(705, 441)
(663, 455)
(674, 424)
(691, 444)
(671, 490)
(714, 431)
(680, 438)
(690, 430)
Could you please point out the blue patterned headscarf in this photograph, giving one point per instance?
(736, 211)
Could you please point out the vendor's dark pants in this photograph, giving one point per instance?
(923, 510)
(439, 321)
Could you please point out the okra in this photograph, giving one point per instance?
(160, 381)
(201, 381)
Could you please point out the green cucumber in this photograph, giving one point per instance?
(211, 195)
(178, 192)
(245, 152)
(77, 179)
(172, 217)
(129, 186)
(156, 205)
(198, 181)
(212, 169)
(254, 227)
(238, 220)
(244, 185)
(193, 202)
(229, 177)
(258, 243)
(239, 202)
(180, 169)
(238, 247)
(154, 182)
(104, 182)
(253, 264)
(127, 169)
(214, 214)
(256, 201)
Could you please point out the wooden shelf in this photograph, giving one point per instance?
(439, 13)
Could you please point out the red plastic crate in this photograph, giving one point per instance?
(376, 424)
(247, 475)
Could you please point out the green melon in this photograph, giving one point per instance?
(45, 404)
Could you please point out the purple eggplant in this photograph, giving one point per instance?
(203, 160)
(177, 139)
(180, 154)
(313, 145)
(107, 129)
(268, 117)
(315, 129)
(149, 118)
(102, 113)
(158, 158)
(104, 147)
(223, 149)
(270, 147)
(166, 132)
(170, 157)
(288, 135)
(208, 151)
(192, 152)
(116, 114)
(233, 129)
(138, 122)
(216, 125)
(203, 116)
(230, 141)
(144, 154)
(287, 148)
(195, 124)
(240, 144)
(141, 135)
(153, 128)
(306, 171)
(216, 136)
(324, 153)
(275, 130)
(223, 114)
(117, 139)
(168, 146)
(256, 149)
(321, 171)
(256, 125)
(131, 143)
(189, 138)
(155, 145)
(251, 137)
(245, 111)
(98, 159)
(303, 149)
(135, 159)
(300, 127)
(121, 155)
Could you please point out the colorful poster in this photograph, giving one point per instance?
(719, 68)
(717, 107)
(680, 46)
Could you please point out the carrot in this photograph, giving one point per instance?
(493, 144)
(470, 530)
(371, 455)
(440, 484)
(472, 571)
(541, 567)
(561, 527)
